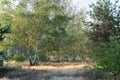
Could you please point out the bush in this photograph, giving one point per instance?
(0, 57)
(1, 61)
(10, 56)
(33, 57)
(42, 58)
(107, 57)
(18, 57)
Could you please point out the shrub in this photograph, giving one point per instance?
(0, 57)
(42, 57)
(107, 57)
(33, 57)
(18, 57)
(1, 61)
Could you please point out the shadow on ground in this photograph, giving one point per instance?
(69, 74)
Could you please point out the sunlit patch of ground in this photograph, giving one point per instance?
(57, 66)
(48, 65)
(50, 71)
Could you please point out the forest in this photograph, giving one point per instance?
(56, 34)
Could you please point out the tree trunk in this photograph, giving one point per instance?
(74, 57)
(47, 56)
(36, 61)
(28, 48)
(58, 57)
(30, 61)
(28, 52)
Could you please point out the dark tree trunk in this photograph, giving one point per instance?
(30, 61)
(47, 56)
(58, 57)
(74, 57)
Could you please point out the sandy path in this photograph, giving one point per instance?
(56, 67)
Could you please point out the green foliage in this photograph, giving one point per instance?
(3, 30)
(1, 61)
(18, 57)
(0, 57)
(44, 26)
(42, 57)
(107, 57)
(106, 20)
(9, 56)
(33, 58)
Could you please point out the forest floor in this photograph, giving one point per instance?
(50, 71)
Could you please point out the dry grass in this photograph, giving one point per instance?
(47, 65)
(50, 71)
(57, 66)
